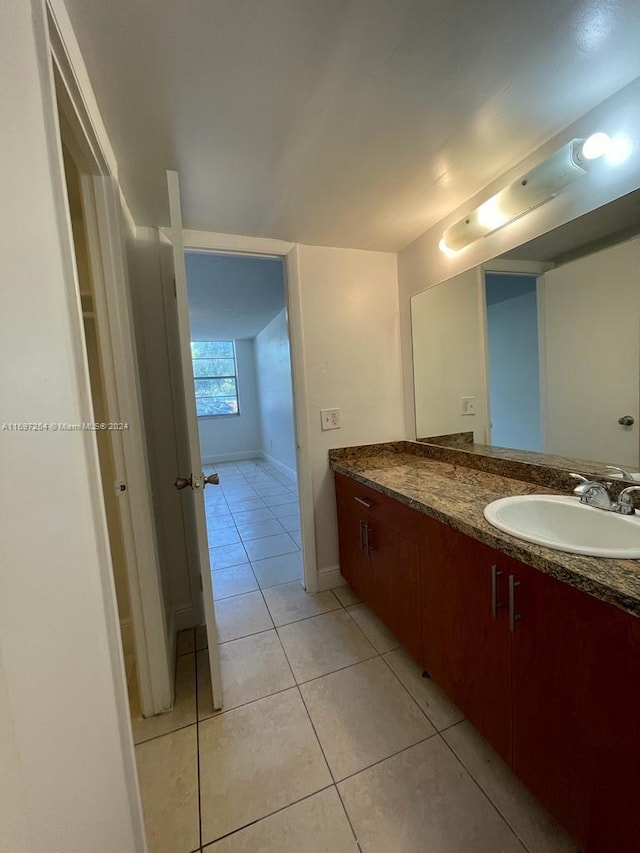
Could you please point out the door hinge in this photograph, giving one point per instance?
(200, 579)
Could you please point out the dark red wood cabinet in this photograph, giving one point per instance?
(354, 557)
(380, 557)
(464, 628)
(548, 674)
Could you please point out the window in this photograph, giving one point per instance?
(215, 377)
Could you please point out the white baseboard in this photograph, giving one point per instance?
(232, 457)
(183, 617)
(289, 473)
(330, 577)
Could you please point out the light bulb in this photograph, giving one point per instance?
(619, 150)
(596, 145)
(490, 215)
(450, 253)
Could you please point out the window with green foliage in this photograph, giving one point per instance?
(215, 378)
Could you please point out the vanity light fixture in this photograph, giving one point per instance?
(540, 184)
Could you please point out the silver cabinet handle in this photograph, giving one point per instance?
(495, 604)
(513, 616)
(362, 529)
(368, 547)
(362, 501)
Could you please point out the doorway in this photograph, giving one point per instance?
(241, 357)
(106, 348)
(513, 360)
(101, 414)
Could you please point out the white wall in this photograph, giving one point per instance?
(235, 436)
(422, 264)
(448, 362)
(273, 369)
(64, 730)
(352, 354)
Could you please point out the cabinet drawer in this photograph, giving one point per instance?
(396, 515)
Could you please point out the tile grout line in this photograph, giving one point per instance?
(308, 681)
(302, 618)
(406, 689)
(485, 793)
(222, 711)
(198, 753)
(249, 562)
(386, 758)
(319, 742)
(259, 588)
(270, 814)
(348, 817)
(297, 686)
(335, 784)
(198, 721)
(164, 734)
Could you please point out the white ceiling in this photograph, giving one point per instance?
(341, 122)
(232, 297)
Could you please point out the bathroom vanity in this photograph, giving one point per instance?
(539, 648)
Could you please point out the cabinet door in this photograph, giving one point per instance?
(395, 578)
(556, 666)
(466, 646)
(352, 521)
(614, 822)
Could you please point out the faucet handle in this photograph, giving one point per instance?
(619, 470)
(580, 477)
(583, 485)
(625, 501)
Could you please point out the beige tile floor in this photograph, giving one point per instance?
(330, 739)
(253, 524)
(368, 756)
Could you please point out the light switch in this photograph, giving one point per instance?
(330, 418)
(467, 405)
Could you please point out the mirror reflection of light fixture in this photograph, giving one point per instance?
(540, 184)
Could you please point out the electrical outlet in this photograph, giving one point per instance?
(467, 405)
(330, 418)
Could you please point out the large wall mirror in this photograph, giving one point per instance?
(539, 350)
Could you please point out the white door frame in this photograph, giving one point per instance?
(205, 241)
(484, 350)
(102, 211)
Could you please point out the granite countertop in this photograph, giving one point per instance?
(457, 495)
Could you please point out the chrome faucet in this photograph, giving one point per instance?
(593, 493)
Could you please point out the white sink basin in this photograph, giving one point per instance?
(563, 523)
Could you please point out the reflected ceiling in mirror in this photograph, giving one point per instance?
(539, 350)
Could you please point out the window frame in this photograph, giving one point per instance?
(233, 376)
